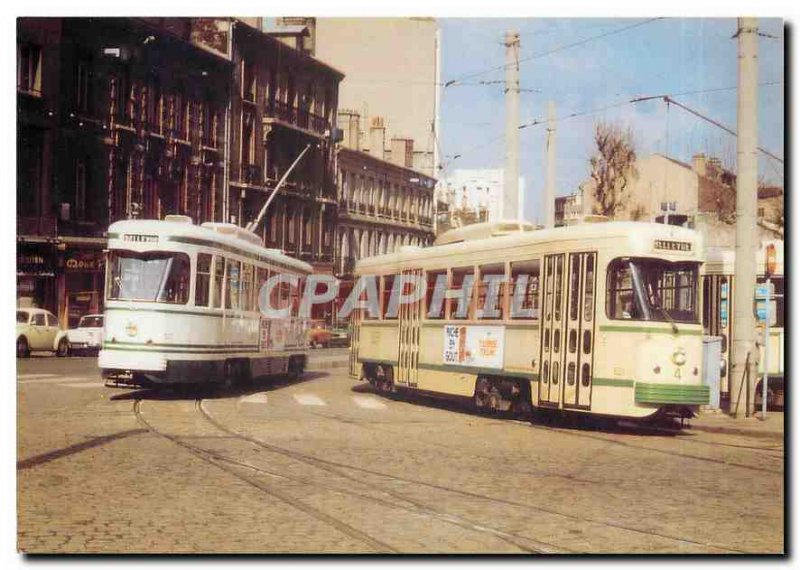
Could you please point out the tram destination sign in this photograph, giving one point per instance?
(671, 245)
(140, 238)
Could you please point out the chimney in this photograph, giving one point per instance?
(699, 164)
(349, 123)
(714, 168)
(377, 138)
(402, 152)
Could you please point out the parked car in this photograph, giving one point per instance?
(87, 336)
(340, 337)
(37, 329)
(319, 335)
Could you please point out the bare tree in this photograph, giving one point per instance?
(612, 168)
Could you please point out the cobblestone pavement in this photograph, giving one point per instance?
(323, 465)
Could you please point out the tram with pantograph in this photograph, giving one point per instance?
(182, 305)
(597, 318)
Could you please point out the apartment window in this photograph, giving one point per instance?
(248, 82)
(29, 68)
(80, 190)
(761, 212)
(273, 227)
(248, 138)
(308, 229)
(291, 228)
(83, 86)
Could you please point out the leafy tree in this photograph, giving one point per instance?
(613, 167)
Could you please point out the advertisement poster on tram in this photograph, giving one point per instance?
(473, 346)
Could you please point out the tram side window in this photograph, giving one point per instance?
(232, 284)
(524, 289)
(491, 284)
(262, 275)
(462, 279)
(216, 289)
(388, 284)
(203, 281)
(246, 287)
(620, 302)
(434, 301)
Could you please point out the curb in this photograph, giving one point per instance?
(739, 431)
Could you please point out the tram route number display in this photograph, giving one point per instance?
(467, 345)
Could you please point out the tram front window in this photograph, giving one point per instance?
(652, 290)
(160, 277)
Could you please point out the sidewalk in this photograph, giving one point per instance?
(720, 422)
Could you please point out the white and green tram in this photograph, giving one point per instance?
(599, 318)
(181, 305)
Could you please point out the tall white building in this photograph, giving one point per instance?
(479, 191)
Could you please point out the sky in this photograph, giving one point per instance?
(676, 56)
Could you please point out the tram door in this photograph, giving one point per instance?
(409, 322)
(717, 312)
(355, 333)
(579, 339)
(551, 356)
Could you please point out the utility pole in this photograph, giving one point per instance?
(744, 369)
(550, 177)
(510, 208)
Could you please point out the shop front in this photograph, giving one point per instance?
(36, 274)
(83, 280)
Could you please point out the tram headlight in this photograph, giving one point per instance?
(132, 329)
(679, 357)
(657, 369)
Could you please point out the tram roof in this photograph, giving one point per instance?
(638, 239)
(203, 235)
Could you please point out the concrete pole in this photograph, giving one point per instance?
(550, 177)
(511, 174)
(744, 322)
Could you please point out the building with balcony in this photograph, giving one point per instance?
(392, 68)
(142, 117)
(117, 118)
(382, 206)
(282, 101)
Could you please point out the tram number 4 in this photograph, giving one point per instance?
(677, 372)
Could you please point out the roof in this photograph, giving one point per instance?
(637, 234)
(189, 230)
(275, 42)
(770, 191)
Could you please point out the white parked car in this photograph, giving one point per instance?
(37, 329)
(87, 336)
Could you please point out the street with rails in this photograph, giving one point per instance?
(325, 465)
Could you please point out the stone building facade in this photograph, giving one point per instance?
(142, 117)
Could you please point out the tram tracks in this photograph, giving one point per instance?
(341, 469)
(235, 467)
